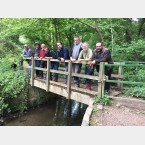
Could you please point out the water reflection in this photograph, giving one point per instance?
(69, 113)
(57, 111)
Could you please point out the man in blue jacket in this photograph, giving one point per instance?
(62, 55)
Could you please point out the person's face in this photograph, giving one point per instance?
(99, 46)
(85, 47)
(76, 40)
(59, 45)
(43, 46)
(26, 47)
(37, 46)
(46, 50)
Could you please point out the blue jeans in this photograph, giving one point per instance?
(88, 71)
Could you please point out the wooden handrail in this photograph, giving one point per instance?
(100, 79)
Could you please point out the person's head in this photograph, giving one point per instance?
(76, 40)
(46, 49)
(99, 46)
(85, 46)
(29, 47)
(25, 46)
(43, 46)
(59, 45)
(37, 45)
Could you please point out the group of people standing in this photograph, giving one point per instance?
(78, 52)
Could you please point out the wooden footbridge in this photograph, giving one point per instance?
(79, 94)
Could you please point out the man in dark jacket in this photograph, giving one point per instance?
(53, 65)
(62, 55)
(102, 54)
(74, 54)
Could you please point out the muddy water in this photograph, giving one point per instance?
(57, 112)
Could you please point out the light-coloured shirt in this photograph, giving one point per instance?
(76, 50)
(86, 55)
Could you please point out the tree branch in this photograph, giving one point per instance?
(86, 24)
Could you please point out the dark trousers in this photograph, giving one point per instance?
(107, 84)
(37, 64)
(53, 65)
(66, 70)
(88, 71)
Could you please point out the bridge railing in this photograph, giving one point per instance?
(100, 78)
(69, 74)
(120, 73)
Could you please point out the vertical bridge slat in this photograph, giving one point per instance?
(48, 75)
(69, 79)
(32, 71)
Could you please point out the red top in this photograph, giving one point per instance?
(42, 53)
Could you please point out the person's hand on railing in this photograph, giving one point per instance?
(79, 60)
(62, 59)
(91, 64)
(73, 60)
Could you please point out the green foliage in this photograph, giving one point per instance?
(138, 92)
(102, 100)
(135, 51)
(13, 89)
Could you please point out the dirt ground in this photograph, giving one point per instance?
(120, 113)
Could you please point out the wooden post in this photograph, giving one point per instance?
(48, 75)
(100, 80)
(69, 79)
(32, 71)
(120, 86)
(103, 78)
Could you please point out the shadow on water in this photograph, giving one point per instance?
(56, 112)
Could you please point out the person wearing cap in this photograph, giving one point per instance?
(36, 55)
(27, 52)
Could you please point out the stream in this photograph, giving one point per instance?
(56, 112)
